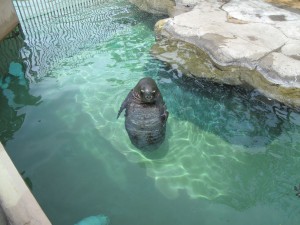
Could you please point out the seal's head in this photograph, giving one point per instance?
(146, 90)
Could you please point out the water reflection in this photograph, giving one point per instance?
(9, 51)
(59, 37)
(14, 88)
(10, 121)
(46, 43)
(13, 101)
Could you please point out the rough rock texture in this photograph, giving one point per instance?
(236, 42)
(155, 6)
(291, 3)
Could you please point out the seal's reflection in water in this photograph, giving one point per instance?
(145, 116)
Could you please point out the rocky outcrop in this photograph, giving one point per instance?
(236, 42)
(155, 6)
(290, 3)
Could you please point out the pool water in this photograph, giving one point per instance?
(230, 156)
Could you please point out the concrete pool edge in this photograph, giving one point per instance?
(17, 204)
(8, 18)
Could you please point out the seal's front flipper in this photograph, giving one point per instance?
(164, 114)
(125, 103)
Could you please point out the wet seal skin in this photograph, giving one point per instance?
(145, 115)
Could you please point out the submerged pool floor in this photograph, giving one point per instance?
(231, 156)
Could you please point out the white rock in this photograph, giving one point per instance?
(227, 43)
(292, 48)
(252, 34)
(291, 29)
(281, 70)
(258, 11)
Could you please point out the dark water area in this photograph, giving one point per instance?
(245, 117)
(230, 155)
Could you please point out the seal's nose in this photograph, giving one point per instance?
(148, 96)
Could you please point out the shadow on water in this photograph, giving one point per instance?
(159, 153)
(260, 129)
(14, 88)
(27, 180)
(240, 115)
(139, 16)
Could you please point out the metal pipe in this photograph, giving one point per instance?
(29, 23)
(52, 9)
(31, 17)
(58, 10)
(44, 8)
(37, 10)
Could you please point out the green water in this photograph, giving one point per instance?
(231, 156)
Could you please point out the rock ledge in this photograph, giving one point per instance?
(236, 42)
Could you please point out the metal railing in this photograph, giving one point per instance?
(34, 14)
(55, 29)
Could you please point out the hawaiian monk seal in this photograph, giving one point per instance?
(146, 115)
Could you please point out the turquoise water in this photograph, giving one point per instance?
(231, 156)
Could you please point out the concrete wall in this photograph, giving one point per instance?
(8, 18)
(17, 204)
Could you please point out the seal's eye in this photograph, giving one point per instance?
(153, 91)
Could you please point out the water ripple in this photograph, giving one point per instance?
(223, 143)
